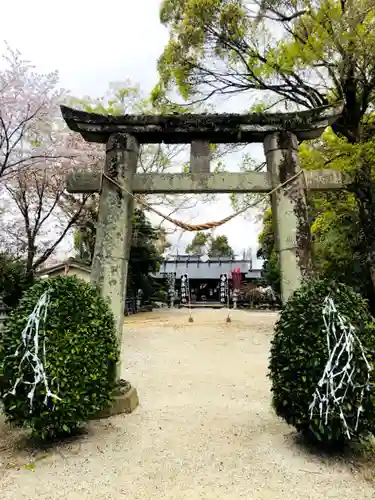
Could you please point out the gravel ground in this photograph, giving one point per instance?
(204, 430)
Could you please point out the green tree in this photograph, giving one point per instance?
(144, 256)
(219, 247)
(299, 54)
(340, 250)
(199, 244)
(215, 247)
(267, 252)
(302, 52)
(342, 220)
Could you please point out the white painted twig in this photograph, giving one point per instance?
(34, 352)
(336, 380)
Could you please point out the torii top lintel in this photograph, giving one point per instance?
(214, 128)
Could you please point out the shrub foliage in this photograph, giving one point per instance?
(299, 354)
(80, 358)
(14, 280)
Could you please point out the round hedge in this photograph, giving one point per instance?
(299, 354)
(80, 360)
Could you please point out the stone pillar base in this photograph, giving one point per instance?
(123, 402)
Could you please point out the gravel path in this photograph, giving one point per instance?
(204, 429)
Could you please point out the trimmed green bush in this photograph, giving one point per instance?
(299, 354)
(79, 362)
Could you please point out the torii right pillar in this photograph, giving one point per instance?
(289, 211)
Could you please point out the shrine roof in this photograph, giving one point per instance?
(215, 128)
(212, 269)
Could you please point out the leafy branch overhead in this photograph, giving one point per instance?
(303, 53)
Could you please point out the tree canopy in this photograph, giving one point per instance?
(219, 247)
(198, 244)
(302, 53)
(340, 221)
(203, 243)
(292, 54)
(144, 254)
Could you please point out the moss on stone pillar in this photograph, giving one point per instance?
(289, 206)
(114, 230)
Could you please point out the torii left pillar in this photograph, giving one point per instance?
(113, 241)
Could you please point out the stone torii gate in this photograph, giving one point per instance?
(280, 134)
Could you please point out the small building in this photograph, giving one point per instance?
(204, 275)
(75, 267)
(71, 267)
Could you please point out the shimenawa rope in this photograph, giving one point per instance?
(198, 227)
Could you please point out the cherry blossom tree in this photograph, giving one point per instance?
(37, 224)
(27, 114)
(37, 151)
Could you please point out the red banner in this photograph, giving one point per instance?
(236, 278)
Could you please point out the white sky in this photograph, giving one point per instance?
(92, 44)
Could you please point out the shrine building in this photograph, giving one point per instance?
(204, 275)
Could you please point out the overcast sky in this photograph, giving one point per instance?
(92, 44)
